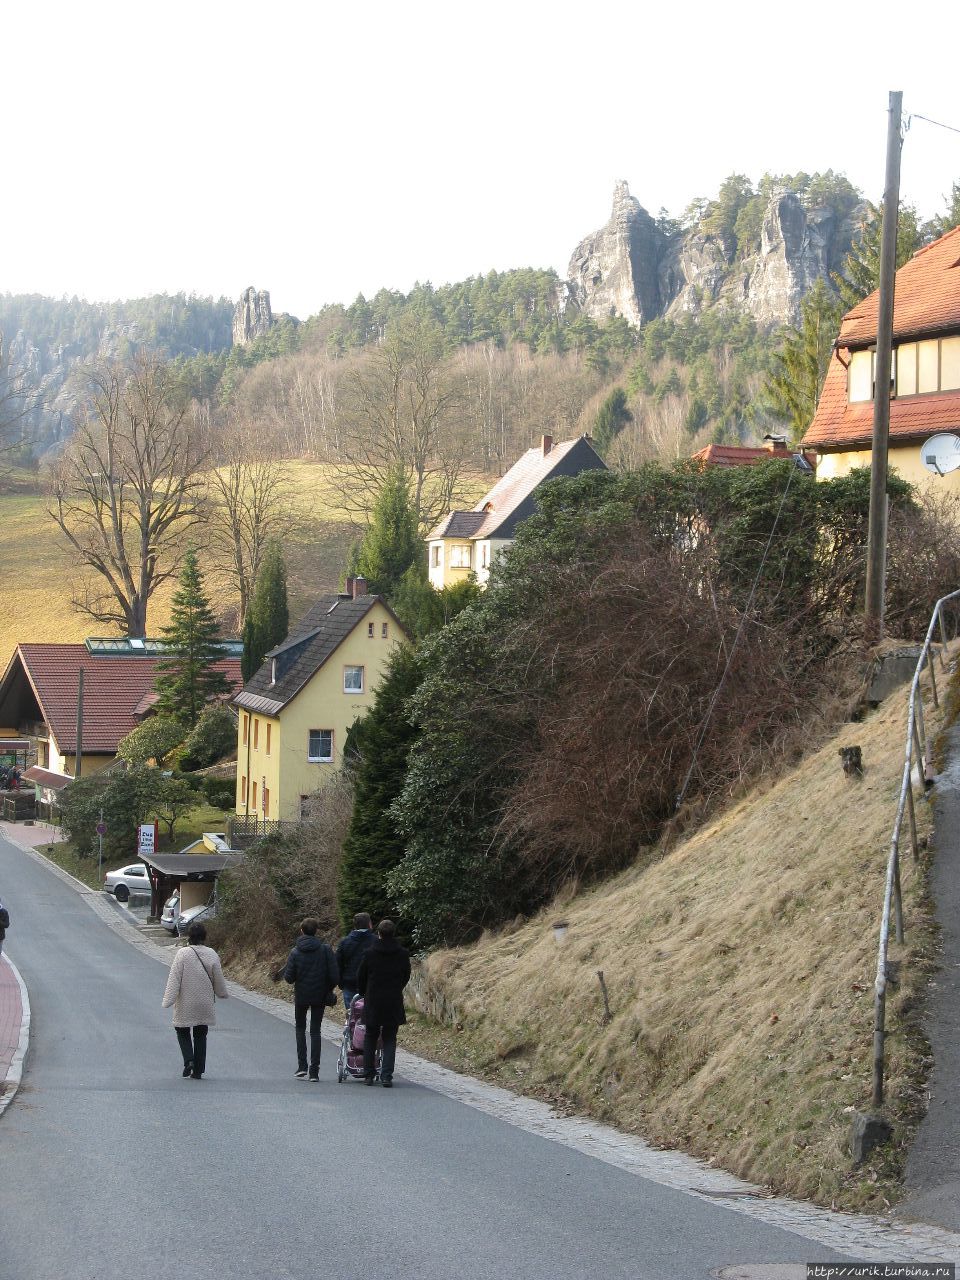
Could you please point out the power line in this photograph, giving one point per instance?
(938, 123)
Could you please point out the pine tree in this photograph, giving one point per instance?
(391, 543)
(268, 619)
(612, 416)
(186, 680)
(378, 746)
(950, 218)
(861, 267)
(799, 367)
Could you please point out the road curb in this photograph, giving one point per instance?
(15, 1070)
(868, 1238)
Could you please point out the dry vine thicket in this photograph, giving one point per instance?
(286, 877)
(633, 654)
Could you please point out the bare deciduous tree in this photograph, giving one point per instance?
(127, 489)
(400, 408)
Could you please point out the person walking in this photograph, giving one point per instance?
(4, 924)
(312, 970)
(195, 981)
(383, 974)
(350, 952)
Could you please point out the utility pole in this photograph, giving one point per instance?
(78, 758)
(877, 528)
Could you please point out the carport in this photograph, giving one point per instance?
(194, 874)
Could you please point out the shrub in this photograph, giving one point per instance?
(212, 737)
(152, 740)
(220, 792)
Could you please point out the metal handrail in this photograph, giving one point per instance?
(916, 734)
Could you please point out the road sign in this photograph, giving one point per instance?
(147, 838)
(101, 828)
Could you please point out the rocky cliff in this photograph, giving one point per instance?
(637, 268)
(252, 317)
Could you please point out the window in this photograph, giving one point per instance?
(436, 551)
(320, 745)
(269, 727)
(928, 366)
(243, 790)
(253, 801)
(484, 555)
(384, 630)
(256, 732)
(460, 556)
(950, 364)
(266, 801)
(246, 727)
(860, 377)
(353, 679)
(919, 368)
(370, 630)
(907, 369)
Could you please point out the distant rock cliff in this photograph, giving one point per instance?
(252, 317)
(634, 268)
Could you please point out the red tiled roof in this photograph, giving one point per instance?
(738, 455)
(926, 297)
(838, 425)
(926, 302)
(113, 686)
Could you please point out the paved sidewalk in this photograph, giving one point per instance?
(14, 1030)
(33, 835)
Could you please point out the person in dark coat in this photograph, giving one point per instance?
(350, 952)
(384, 972)
(311, 968)
(5, 923)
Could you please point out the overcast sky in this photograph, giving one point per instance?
(320, 150)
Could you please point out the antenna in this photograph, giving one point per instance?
(941, 453)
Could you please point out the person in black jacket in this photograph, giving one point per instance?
(384, 972)
(350, 952)
(4, 924)
(312, 969)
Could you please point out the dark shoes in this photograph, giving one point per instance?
(314, 1077)
(387, 1082)
(301, 1074)
(187, 1069)
(368, 1079)
(196, 1075)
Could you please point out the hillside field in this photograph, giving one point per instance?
(38, 571)
(740, 968)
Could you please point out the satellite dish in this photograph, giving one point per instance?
(941, 453)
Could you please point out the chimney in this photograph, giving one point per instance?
(775, 444)
(358, 587)
(546, 444)
(348, 586)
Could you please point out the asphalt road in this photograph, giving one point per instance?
(113, 1166)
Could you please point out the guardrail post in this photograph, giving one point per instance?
(914, 842)
(897, 900)
(933, 679)
(943, 636)
(879, 1037)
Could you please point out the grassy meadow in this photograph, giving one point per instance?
(740, 968)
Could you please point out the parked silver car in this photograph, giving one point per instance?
(171, 909)
(201, 914)
(126, 880)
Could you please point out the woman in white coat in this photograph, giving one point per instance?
(195, 980)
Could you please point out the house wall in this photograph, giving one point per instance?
(60, 763)
(320, 704)
(446, 574)
(494, 547)
(903, 458)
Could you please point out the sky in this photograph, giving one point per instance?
(320, 150)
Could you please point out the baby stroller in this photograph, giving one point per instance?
(350, 1062)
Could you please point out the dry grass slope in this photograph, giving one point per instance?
(740, 971)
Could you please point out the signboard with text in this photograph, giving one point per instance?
(147, 838)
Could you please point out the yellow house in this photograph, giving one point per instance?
(925, 375)
(296, 710)
(466, 543)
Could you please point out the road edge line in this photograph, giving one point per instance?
(14, 1074)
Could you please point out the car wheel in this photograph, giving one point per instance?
(122, 893)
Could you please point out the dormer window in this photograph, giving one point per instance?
(917, 369)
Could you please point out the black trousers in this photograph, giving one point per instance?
(194, 1049)
(388, 1030)
(300, 1021)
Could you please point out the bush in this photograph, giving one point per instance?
(212, 737)
(152, 740)
(125, 796)
(220, 792)
(286, 876)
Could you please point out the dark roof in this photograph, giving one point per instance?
(114, 685)
(512, 498)
(47, 777)
(190, 866)
(305, 651)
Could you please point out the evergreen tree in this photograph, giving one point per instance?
(378, 747)
(391, 543)
(612, 416)
(268, 619)
(861, 267)
(793, 385)
(186, 679)
(950, 218)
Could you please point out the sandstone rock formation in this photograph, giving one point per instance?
(252, 316)
(632, 268)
